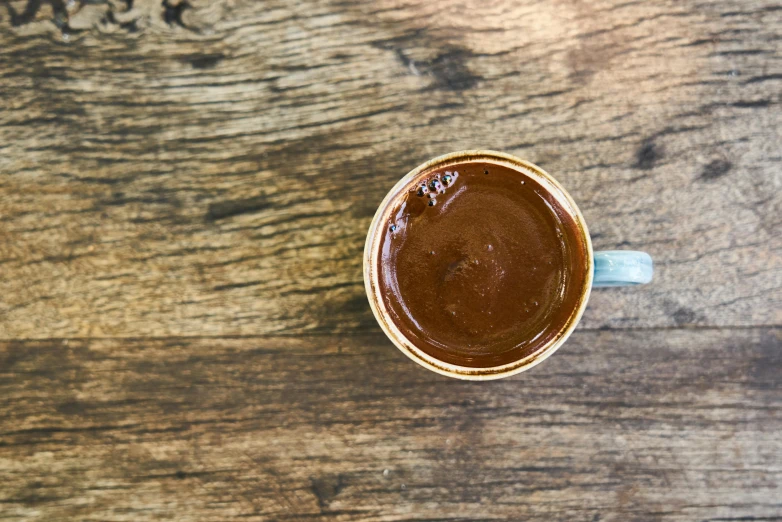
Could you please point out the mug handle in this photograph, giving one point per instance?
(622, 268)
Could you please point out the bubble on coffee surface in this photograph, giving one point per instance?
(429, 189)
(436, 185)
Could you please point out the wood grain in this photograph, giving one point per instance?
(211, 168)
(659, 425)
(185, 188)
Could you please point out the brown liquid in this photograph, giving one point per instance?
(482, 268)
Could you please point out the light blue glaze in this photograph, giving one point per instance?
(622, 268)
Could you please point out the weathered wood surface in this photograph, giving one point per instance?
(217, 176)
(184, 193)
(670, 425)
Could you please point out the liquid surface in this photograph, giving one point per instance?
(480, 265)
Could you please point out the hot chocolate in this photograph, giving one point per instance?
(480, 264)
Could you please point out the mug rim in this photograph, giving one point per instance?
(371, 283)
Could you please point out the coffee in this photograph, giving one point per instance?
(480, 263)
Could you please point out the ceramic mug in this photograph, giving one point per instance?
(605, 268)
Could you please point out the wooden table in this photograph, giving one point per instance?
(184, 198)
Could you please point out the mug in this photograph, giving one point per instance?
(608, 268)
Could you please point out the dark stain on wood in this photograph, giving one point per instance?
(63, 12)
(31, 8)
(327, 488)
(684, 316)
(715, 170)
(451, 71)
(647, 156)
(113, 17)
(226, 209)
(205, 61)
(448, 64)
(763, 78)
(763, 368)
(752, 104)
(172, 12)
